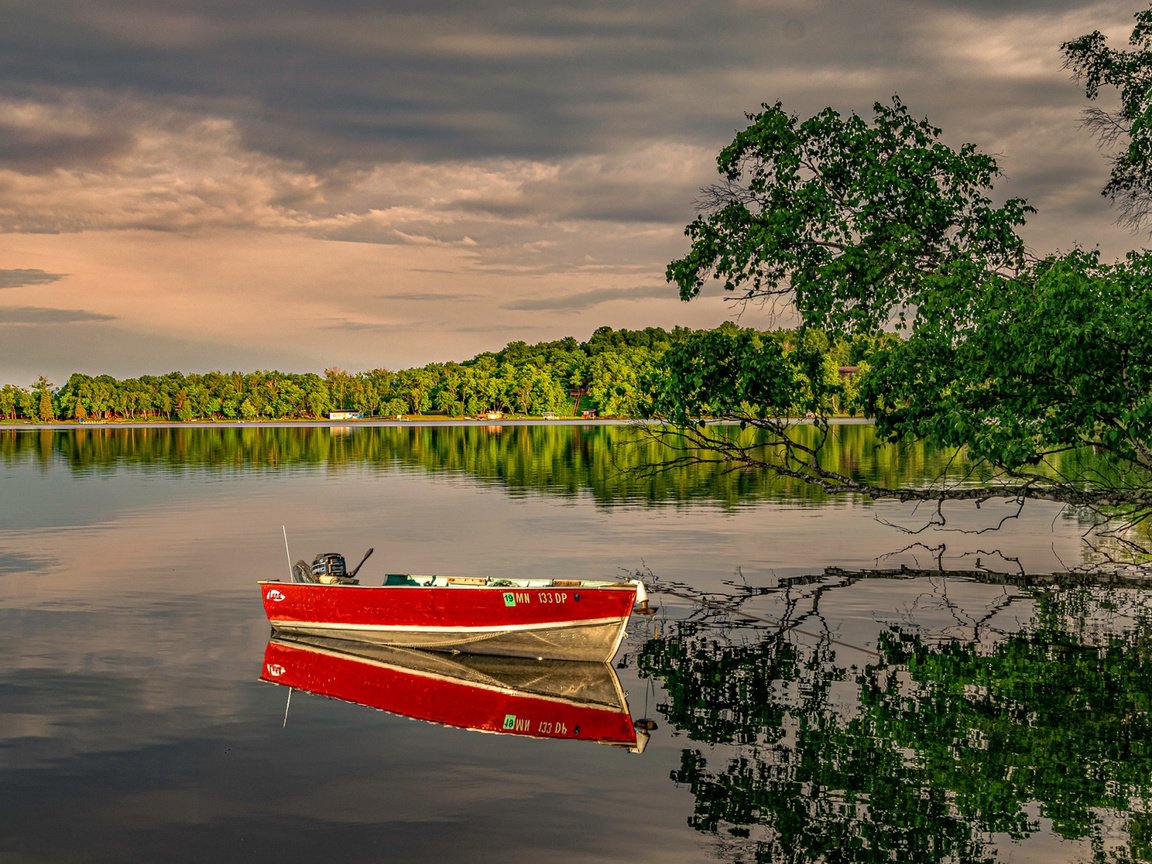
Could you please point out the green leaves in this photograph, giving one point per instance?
(850, 218)
(1095, 65)
(1058, 357)
(868, 226)
(742, 374)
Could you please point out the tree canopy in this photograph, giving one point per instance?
(873, 227)
(564, 377)
(1129, 127)
(852, 221)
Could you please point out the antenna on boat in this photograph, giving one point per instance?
(286, 552)
(351, 575)
(286, 704)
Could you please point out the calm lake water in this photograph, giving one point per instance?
(802, 713)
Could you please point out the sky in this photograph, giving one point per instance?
(201, 185)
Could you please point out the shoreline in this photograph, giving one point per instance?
(303, 424)
(352, 424)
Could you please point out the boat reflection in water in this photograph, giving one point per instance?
(507, 695)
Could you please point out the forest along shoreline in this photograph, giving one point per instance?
(369, 422)
(614, 374)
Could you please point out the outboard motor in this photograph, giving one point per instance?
(328, 568)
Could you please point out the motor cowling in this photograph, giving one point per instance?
(327, 568)
(329, 564)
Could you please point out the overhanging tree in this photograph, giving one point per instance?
(1097, 66)
(866, 226)
(851, 221)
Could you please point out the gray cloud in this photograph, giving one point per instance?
(18, 562)
(41, 315)
(357, 82)
(422, 297)
(20, 278)
(496, 331)
(40, 151)
(580, 300)
(98, 347)
(347, 325)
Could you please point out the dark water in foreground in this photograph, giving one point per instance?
(801, 715)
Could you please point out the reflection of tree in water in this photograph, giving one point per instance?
(936, 748)
(614, 464)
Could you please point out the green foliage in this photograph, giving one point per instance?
(722, 696)
(1097, 66)
(853, 220)
(46, 413)
(1000, 728)
(10, 397)
(521, 379)
(42, 392)
(1058, 357)
(728, 373)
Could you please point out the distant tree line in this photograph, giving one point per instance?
(611, 374)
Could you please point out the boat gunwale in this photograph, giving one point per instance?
(456, 583)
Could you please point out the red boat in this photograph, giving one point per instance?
(564, 619)
(537, 699)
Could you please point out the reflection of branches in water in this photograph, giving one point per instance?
(1095, 615)
(1065, 579)
(798, 599)
(939, 522)
(725, 608)
(972, 628)
(722, 665)
(1111, 503)
(941, 555)
(796, 449)
(950, 741)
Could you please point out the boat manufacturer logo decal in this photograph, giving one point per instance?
(275, 670)
(509, 600)
(274, 595)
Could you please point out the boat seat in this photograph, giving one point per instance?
(399, 579)
(302, 573)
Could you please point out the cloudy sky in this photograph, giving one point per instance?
(297, 184)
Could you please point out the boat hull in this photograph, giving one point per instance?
(512, 696)
(564, 623)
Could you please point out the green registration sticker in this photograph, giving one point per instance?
(509, 721)
(509, 598)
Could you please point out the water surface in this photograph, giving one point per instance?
(802, 715)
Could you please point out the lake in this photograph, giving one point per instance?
(804, 710)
